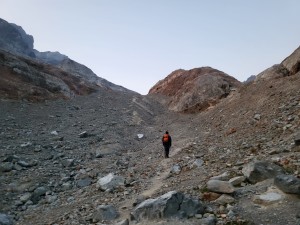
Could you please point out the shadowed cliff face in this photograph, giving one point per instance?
(195, 90)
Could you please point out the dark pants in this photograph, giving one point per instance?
(167, 150)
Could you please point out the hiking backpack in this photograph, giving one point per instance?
(166, 138)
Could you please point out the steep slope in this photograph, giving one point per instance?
(195, 90)
(23, 78)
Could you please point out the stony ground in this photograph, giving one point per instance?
(61, 148)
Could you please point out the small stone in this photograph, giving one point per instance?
(84, 134)
(225, 199)
(140, 136)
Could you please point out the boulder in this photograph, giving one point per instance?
(220, 186)
(225, 199)
(6, 166)
(105, 212)
(5, 219)
(38, 193)
(110, 182)
(196, 164)
(171, 204)
(67, 162)
(288, 184)
(176, 169)
(261, 170)
(84, 182)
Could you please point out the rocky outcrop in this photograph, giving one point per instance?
(261, 170)
(195, 90)
(14, 39)
(288, 67)
(23, 78)
(292, 63)
(171, 204)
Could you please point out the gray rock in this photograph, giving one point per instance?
(225, 199)
(51, 198)
(27, 164)
(6, 166)
(38, 193)
(25, 197)
(196, 164)
(261, 170)
(84, 134)
(5, 219)
(11, 158)
(84, 182)
(67, 162)
(171, 204)
(105, 212)
(110, 182)
(288, 184)
(220, 186)
(66, 186)
(268, 198)
(210, 220)
(176, 169)
(237, 180)
(223, 177)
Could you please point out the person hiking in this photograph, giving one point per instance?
(167, 143)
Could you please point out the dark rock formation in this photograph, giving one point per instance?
(261, 170)
(171, 204)
(288, 184)
(14, 39)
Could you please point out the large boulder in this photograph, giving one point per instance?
(261, 170)
(171, 204)
(110, 182)
(5, 219)
(220, 186)
(105, 212)
(288, 184)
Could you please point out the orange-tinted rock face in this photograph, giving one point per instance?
(195, 90)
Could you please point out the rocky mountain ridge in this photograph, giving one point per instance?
(14, 40)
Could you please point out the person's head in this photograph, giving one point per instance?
(167, 132)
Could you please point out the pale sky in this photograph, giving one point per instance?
(136, 43)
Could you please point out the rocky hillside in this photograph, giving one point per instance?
(195, 90)
(97, 158)
(13, 39)
(24, 78)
